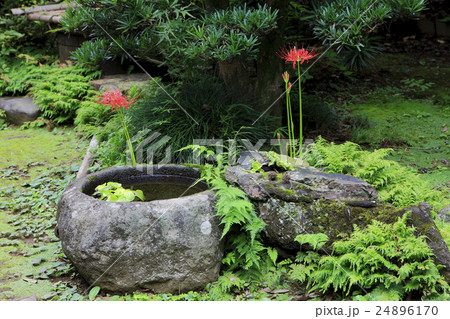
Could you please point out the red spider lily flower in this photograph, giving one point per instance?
(116, 100)
(285, 76)
(289, 88)
(297, 55)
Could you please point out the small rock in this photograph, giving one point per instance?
(272, 176)
(285, 179)
(36, 262)
(444, 214)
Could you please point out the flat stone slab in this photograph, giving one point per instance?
(19, 109)
(121, 81)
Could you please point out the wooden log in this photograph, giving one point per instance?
(45, 17)
(87, 161)
(50, 7)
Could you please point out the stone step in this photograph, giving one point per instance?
(19, 109)
(123, 82)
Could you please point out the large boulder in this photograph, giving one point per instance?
(167, 246)
(309, 201)
(19, 109)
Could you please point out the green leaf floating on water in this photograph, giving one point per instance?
(114, 192)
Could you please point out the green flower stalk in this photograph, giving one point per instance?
(297, 55)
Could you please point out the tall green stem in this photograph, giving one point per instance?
(300, 134)
(289, 120)
(127, 136)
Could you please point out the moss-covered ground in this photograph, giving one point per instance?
(29, 253)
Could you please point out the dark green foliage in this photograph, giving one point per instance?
(387, 262)
(185, 35)
(394, 183)
(202, 109)
(17, 33)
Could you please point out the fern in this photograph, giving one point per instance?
(246, 254)
(62, 92)
(394, 183)
(380, 258)
(315, 240)
(58, 89)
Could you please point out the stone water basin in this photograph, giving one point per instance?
(169, 244)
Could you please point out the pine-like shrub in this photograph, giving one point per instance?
(196, 110)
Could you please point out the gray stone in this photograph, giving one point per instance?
(167, 246)
(444, 214)
(29, 298)
(19, 109)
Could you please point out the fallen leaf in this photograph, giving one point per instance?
(444, 129)
(30, 280)
(312, 295)
(281, 291)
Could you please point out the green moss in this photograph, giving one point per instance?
(337, 220)
(16, 258)
(23, 147)
(280, 192)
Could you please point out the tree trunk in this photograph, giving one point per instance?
(216, 4)
(264, 84)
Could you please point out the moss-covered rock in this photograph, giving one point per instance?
(310, 201)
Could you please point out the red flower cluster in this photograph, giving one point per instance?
(116, 100)
(297, 55)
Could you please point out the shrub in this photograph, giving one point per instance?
(201, 109)
(60, 95)
(17, 34)
(57, 88)
(351, 25)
